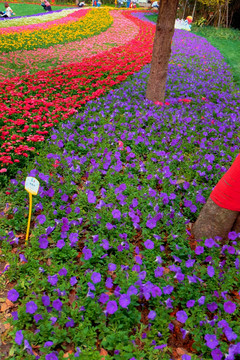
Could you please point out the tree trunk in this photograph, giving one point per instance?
(184, 10)
(194, 8)
(161, 50)
(214, 221)
(221, 213)
(227, 7)
(219, 15)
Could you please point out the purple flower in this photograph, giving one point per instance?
(181, 316)
(45, 300)
(57, 304)
(209, 243)
(70, 323)
(53, 279)
(211, 341)
(124, 300)
(48, 344)
(116, 214)
(199, 250)
(189, 263)
(73, 280)
(64, 197)
(15, 315)
(43, 242)
(19, 337)
(210, 271)
(13, 295)
(152, 314)
(186, 357)
(230, 335)
(41, 219)
(91, 197)
(229, 307)
(112, 267)
(87, 253)
(167, 290)
(60, 244)
(51, 356)
(232, 235)
(217, 354)
(111, 307)
(151, 223)
(31, 307)
(37, 317)
(103, 298)
(190, 303)
(212, 306)
(149, 244)
(62, 272)
(96, 277)
(201, 300)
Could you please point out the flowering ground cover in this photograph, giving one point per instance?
(29, 61)
(37, 22)
(92, 23)
(111, 270)
(56, 94)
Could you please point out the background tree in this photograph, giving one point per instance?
(161, 50)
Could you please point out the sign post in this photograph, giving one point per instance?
(32, 187)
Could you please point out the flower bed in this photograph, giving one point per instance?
(25, 22)
(66, 18)
(111, 269)
(54, 95)
(121, 31)
(93, 23)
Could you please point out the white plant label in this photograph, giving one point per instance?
(32, 185)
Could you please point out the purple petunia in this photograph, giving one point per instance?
(31, 307)
(217, 354)
(229, 307)
(45, 300)
(53, 279)
(111, 307)
(211, 341)
(73, 280)
(212, 306)
(210, 271)
(51, 356)
(91, 197)
(181, 316)
(96, 277)
(13, 295)
(19, 337)
(57, 304)
(152, 314)
(124, 300)
(116, 214)
(41, 219)
(112, 267)
(149, 244)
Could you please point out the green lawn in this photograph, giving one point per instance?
(227, 41)
(30, 9)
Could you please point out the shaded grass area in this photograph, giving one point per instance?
(30, 9)
(227, 41)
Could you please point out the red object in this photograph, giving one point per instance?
(226, 193)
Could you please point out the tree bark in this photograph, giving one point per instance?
(221, 213)
(219, 16)
(184, 10)
(161, 50)
(227, 7)
(194, 8)
(214, 220)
